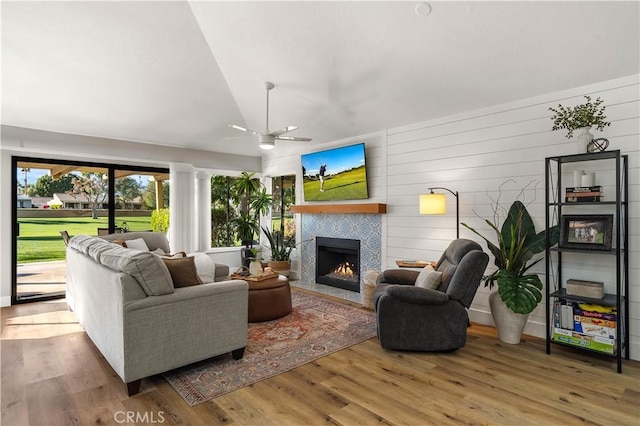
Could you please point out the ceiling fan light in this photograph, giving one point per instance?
(267, 144)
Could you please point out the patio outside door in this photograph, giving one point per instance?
(52, 196)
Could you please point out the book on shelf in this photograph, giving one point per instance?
(584, 194)
(594, 343)
(594, 330)
(595, 321)
(563, 315)
(593, 314)
(588, 199)
(584, 189)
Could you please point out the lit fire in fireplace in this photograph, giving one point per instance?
(344, 271)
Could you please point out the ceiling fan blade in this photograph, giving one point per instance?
(235, 126)
(284, 130)
(293, 138)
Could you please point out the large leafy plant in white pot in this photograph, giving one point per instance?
(515, 252)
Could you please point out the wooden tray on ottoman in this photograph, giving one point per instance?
(260, 277)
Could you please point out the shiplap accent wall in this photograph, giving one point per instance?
(474, 153)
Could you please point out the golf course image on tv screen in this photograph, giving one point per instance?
(335, 174)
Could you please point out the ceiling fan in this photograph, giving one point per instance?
(268, 138)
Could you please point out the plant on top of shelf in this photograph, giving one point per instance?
(517, 243)
(584, 115)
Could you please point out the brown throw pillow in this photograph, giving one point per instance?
(183, 271)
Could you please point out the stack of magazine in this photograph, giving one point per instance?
(584, 194)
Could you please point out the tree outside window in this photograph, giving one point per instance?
(284, 196)
(94, 186)
(236, 203)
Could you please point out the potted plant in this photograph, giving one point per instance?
(519, 290)
(254, 201)
(246, 228)
(580, 118)
(281, 248)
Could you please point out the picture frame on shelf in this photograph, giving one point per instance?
(586, 232)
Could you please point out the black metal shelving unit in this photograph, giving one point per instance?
(620, 252)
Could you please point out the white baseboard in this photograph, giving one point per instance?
(5, 301)
(537, 329)
(482, 317)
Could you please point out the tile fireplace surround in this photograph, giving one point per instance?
(364, 227)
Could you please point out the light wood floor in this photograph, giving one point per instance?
(53, 375)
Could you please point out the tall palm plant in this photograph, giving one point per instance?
(254, 201)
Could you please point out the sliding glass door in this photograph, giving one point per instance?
(55, 199)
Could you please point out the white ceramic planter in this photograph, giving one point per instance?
(508, 323)
(255, 267)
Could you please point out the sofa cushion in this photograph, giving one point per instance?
(205, 266)
(154, 240)
(428, 278)
(147, 268)
(183, 271)
(82, 243)
(96, 249)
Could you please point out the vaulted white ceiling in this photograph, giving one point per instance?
(177, 73)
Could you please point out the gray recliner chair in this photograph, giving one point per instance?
(419, 319)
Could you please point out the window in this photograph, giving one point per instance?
(76, 198)
(223, 212)
(284, 196)
(228, 203)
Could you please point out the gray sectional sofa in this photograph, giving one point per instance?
(126, 301)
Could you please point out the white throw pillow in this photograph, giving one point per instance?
(428, 278)
(205, 267)
(137, 244)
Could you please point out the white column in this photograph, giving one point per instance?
(182, 207)
(203, 211)
(6, 204)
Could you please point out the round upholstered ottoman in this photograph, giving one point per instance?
(269, 299)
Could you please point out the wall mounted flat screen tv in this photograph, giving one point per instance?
(335, 174)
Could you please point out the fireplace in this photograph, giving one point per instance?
(338, 263)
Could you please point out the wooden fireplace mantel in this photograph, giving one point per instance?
(368, 208)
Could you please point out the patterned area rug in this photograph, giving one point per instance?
(315, 328)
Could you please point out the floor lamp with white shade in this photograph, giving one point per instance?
(433, 203)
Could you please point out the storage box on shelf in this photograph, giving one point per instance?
(583, 327)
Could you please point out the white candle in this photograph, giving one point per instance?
(577, 177)
(588, 179)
